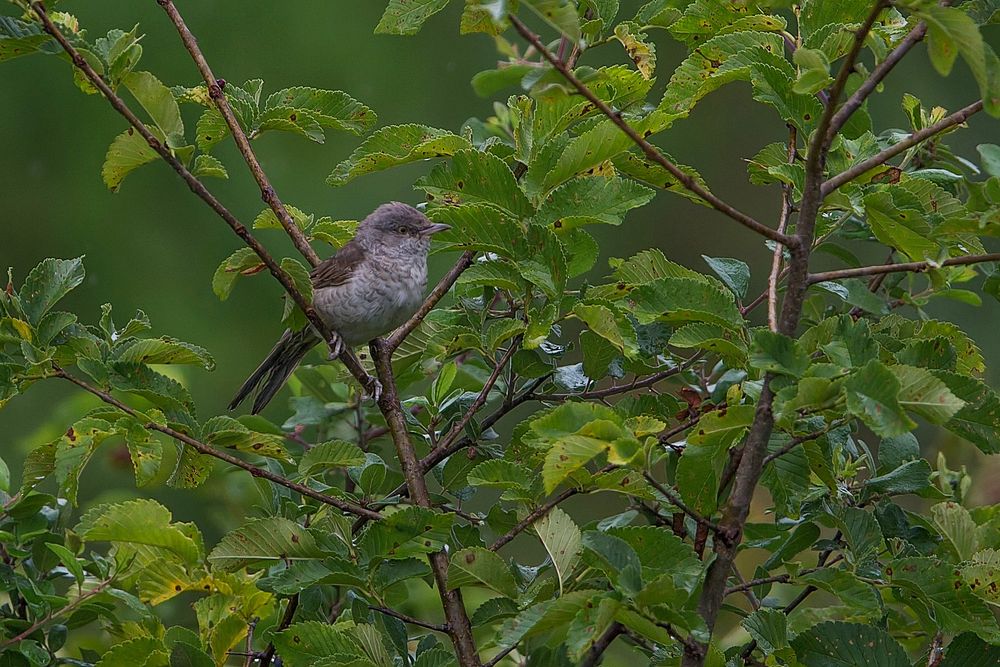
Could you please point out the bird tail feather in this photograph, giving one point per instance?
(272, 373)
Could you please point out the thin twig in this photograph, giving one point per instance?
(882, 157)
(286, 620)
(937, 651)
(676, 500)
(786, 210)
(208, 450)
(638, 383)
(593, 655)
(215, 91)
(911, 267)
(653, 153)
(531, 518)
(409, 619)
(399, 335)
(500, 656)
(56, 613)
(800, 439)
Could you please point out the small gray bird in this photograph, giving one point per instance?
(371, 286)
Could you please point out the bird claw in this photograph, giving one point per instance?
(374, 389)
(336, 344)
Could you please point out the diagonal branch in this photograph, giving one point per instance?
(786, 211)
(532, 517)
(676, 500)
(400, 334)
(945, 123)
(854, 102)
(915, 267)
(348, 357)
(409, 619)
(215, 92)
(649, 149)
(208, 450)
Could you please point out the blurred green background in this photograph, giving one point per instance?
(155, 246)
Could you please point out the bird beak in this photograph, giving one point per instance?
(435, 228)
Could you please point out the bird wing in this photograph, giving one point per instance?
(338, 269)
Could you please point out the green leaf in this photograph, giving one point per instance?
(138, 651)
(127, 152)
(951, 31)
(706, 452)
(19, 38)
(733, 272)
(335, 232)
(395, 145)
(305, 574)
(641, 168)
(48, 282)
(924, 394)
(967, 650)
(873, 395)
(617, 559)
(641, 51)
(472, 176)
(243, 262)
(957, 526)
(227, 433)
(267, 219)
(4, 477)
(591, 200)
(207, 166)
(910, 477)
(210, 130)
(856, 644)
(292, 317)
(775, 353)
(846, 585)
(477, 566)
(989, 155)
(500, 474)
(561, 539)
(67, 558)
(814, 71)
(489, 16)
(328, 108)
(769, 628)
(141, 522)
(165, 350)
(480, 227)
(159, 103)
(979, 419)
(264, 542)
(684, 300)
(319, 644)
(611, 325)
(408, 532)
(712, 338)
(405, 17)
(709, 17)
(330, 454)
(560, 14)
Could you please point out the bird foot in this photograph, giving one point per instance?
(374, 389)
(336, 344)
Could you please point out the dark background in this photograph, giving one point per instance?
(155, 246)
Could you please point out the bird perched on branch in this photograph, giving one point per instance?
(371, 286)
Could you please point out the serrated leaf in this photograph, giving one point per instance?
(560, 14)
(328, 108)
(979, 420)
(712, 338)
(267, 219)
(500, 474)
(561, 539)
(591, 200)
(924, 394)
(641, 51)
(477, 566)
(242, 262)
(733, 272)
(330, 454)
(127, 152)
(227, 433)
(165, 350)
(208, 166)
(855, 644)
(611, 325)
(685, 300)
(263, 542)
(395, 145)
(472, 176)
(776, 353)
(873, 395)
(159, 103)
(48, 282)
(708, 17)
(705, 454)
(408, 532)
(405, 17)
(139, 522)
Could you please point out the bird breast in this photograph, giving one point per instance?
(381, 294)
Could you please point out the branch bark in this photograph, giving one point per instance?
(649, 149)
(912, 267)
(215, 91)
(847, 175)
(208, 450)
(593, 656)
(786, 211)
(459, 626)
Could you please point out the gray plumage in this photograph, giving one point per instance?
(371, 286)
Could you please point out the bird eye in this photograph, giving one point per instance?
(401, 229)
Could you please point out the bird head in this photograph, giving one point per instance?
(400, 227)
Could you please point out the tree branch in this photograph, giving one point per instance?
(215, 91)
(637, 383)
(56, 613)
(651, 151)
(286, 620)
(854, 102)
(595, 652)
(913, 267)
(786, 210)
(459, 627)
(348, 357)
(208, 450)
(399, 335)
(676, 500)
(747, 476)
(409, 619)
(532, 517)
(847, 175)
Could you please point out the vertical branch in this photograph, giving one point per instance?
(747, 476)
(459, 627)
(215, 91)
(786, 210)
